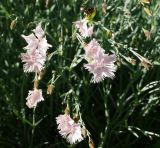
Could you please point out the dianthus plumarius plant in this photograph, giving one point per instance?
(90, 73)
(34, 59)
(100, 65)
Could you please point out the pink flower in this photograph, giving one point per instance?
(34, 96)
(92, 49)
(34, 61)
(64, 124)
(68, 129)
(75, 134)
(39, 32)
(43, 46)
(31, 40)
(101, 67)
(83, 28)
(37, 42)
(79, 24)
(35, 55)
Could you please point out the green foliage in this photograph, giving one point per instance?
(119, 113)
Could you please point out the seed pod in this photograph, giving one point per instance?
(46, 3)
(84, 131)
(50, 89)
(146, 63)
(133, 61)
(36, 83)
(91, 143)
(67, 110)
(41, 74)
(104, 8)
(147, 34)
(13, 24)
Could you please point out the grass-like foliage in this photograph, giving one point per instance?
(122, 112)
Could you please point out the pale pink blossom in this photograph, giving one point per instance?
(75, 134)
(34, 61)
(83, 28)
(101, 67)
(39, 32)
(68, 129)
(37, 41)
(43, 46)
(34, 96)
(78, 24)
(35, 55)
(64, 124)
(92, 49)
(31, 40)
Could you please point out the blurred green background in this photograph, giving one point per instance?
(119, 113)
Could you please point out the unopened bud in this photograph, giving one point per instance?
(84, 131)
(147, 33)
(119, 62)
(67, 110)
(46, 3)
(41, 74)
(36, 83)
(76, 118)
(84, 44)
(109, 33)
(13, 24)
(146, 64)
(50, 89)
(133, 61)
(91, 143)
(104, 8)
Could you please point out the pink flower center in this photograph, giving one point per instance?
(33, 59)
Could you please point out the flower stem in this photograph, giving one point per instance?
(33, 127)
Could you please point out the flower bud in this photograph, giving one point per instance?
(41, 74)
(84, 131)
(50, 89)
(13, 24)
(146, 64)
(36, 83)
(104, 8)
(91, 143)
(67, 110)
(133, 61)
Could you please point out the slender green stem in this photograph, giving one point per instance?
(33, 127)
